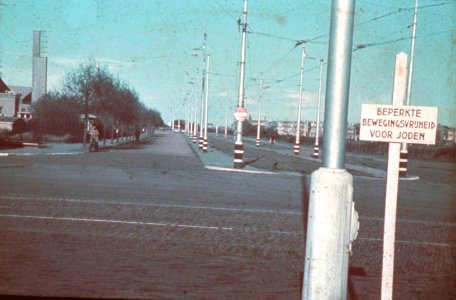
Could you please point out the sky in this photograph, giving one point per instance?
(150, 44)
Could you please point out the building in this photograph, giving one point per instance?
(289, 127)
(39, 71)
(24, 110)
(313, 129)
(15, 101)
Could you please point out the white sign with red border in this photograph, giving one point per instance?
(241, 114)
(398, 124)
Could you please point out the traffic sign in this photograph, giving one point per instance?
(241, 114)
(398, 124)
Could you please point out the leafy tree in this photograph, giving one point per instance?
(20, 126)
(91, 89)
(56, 114)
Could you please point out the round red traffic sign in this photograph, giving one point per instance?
(241, 114)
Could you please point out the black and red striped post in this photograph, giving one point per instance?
(238, 155)
(403, 163)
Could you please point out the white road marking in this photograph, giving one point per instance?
(33, 154)
(409, 242)
(66, 219)
(250, 210)
(239, 170)
(114, 221)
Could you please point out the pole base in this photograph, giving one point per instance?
(332, 226)
(403, 160)
(316, 151)
(238, 165)
(238, 156)
(296, 149)
(205, 144)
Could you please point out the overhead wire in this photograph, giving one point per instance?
(360, 46)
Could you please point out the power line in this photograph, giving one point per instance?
(397, 10)
(367, 45)
(406, 8)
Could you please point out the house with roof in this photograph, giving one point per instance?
(15, 102)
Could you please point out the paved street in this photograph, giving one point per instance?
(162, 220)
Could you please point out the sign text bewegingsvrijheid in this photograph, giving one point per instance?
(401, 124)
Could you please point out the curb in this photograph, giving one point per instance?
(107, 147)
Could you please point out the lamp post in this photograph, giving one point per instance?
(195, 123)
(238, 145)
(316, 148)
(297, 145)
(332, 219)
(403, 161)
(226, 119)
(208, 58)
(258, 128)
(203, 82)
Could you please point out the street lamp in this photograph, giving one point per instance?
(206, 104)
(298, 125)
(238, 145)
(316, 149)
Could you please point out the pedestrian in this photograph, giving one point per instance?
(137, 134)
(93, 132)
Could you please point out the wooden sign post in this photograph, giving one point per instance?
(396, 124)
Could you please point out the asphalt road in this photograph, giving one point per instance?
(149, 221)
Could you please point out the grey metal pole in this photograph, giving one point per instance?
(226, 119)
(258, 128)
(403, 161)
(172, 122)
(316, 149)
(332, 219)
(188, 117)
(208, 58)
(190, 123)
(238, 145)
(201, 137)
(297, 145)
(338, 83)
(195, 123)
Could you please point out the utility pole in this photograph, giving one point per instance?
(226, 118)
(208, 58)
(316, 149)
(188, 117)
(195, 123)
(238, 145)
(257, 143)
(86, 117)
(258, 128)
(172, 123)
(297, 145)
(203, 82)
(404, 151)
(332, 220)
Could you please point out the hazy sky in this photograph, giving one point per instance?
(149, 44)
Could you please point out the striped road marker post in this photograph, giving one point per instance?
(238, 155)
(316, 151)
(205, 144)
(403, 163)
(296, 148)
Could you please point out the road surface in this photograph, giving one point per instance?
(150, 221)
